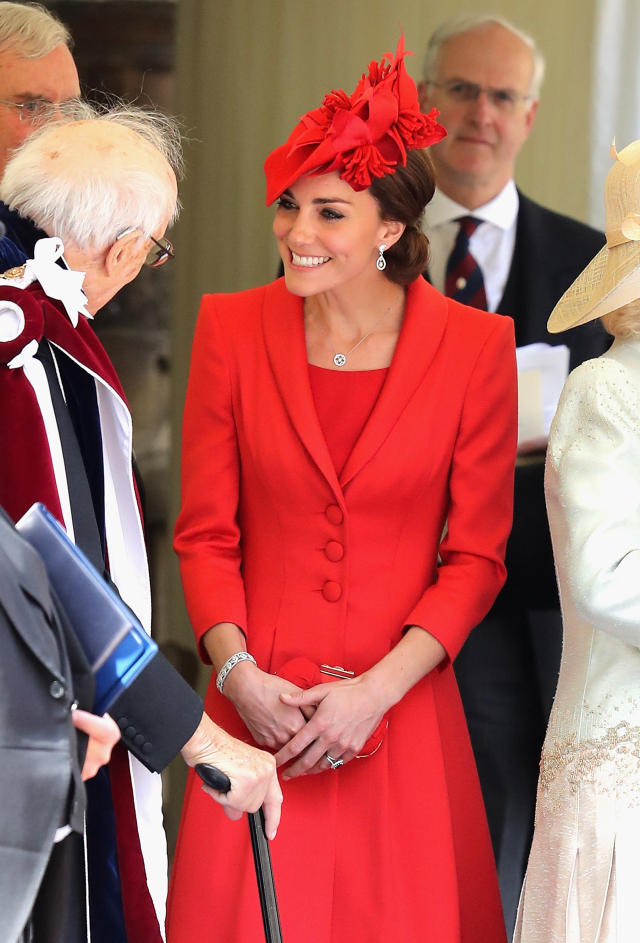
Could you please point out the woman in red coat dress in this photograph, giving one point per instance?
(348, 451)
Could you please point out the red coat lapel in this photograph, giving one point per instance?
(286, 350)
(422, 330)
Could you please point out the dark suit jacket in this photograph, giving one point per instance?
(550, 252)
(22, 232)
(39, 763)
(42, 671)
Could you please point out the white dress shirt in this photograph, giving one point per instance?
(491, 244)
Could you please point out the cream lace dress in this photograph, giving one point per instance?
(583, 879)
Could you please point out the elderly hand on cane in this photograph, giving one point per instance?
(252, 773)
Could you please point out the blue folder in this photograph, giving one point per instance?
(114, 641)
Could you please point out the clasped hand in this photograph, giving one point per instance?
(303, 726)
(345, 715)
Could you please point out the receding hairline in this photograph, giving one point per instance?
(471, 23)
(159, 130)
(89, 201)
(82, 140)
(31, 31)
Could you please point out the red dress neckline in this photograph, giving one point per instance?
(344, 401)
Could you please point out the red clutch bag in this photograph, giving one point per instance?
(306, 674)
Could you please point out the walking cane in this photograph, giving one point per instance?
(218, 780)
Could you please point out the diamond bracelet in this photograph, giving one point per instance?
(229, 664)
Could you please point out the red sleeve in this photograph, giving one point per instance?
(472, 551)
(207, 536)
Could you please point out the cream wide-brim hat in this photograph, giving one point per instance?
(612, 278)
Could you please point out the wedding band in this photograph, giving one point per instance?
(334, 764)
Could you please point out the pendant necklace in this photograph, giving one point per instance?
(340, 359)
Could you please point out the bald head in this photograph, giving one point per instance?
(88, 180)
(105, 184)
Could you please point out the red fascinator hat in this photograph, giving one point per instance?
(361, 136)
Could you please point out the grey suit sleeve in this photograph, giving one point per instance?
(157, 714)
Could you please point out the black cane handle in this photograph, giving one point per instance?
(213, 777)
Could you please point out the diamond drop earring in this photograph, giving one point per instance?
(381, 262)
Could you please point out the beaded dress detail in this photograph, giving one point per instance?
(581, 882)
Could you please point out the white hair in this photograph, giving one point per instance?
(467, 23)
(91, 204)
(30, 30)
(158, 129)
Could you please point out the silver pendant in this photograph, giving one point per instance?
(339, 360)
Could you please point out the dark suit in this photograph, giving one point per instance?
(21, 231)
(39, 765)
(508, 669)
(42, 671)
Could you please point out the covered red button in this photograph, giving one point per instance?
(334, 514)
(332, 591)
(334, 551)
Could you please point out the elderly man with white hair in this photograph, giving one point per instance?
(104, 190)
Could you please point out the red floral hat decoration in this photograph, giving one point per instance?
(361, 136)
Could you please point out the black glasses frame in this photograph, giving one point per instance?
(163, 251)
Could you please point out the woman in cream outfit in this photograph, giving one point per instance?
(582, 881)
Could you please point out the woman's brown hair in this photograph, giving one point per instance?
(403, 196)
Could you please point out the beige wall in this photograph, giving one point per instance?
(246, 70)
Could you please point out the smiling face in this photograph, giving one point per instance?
(53, 78)
(328, 235)
(476, 159)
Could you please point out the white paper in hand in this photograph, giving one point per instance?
(542, 371)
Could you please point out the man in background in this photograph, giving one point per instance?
(493, 247)
(37, 77)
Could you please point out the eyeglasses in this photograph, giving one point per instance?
(38, 110)
(504, 99)
(160, 252)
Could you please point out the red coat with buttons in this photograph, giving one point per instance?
(394, 846)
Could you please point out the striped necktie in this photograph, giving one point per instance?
(464, 281)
